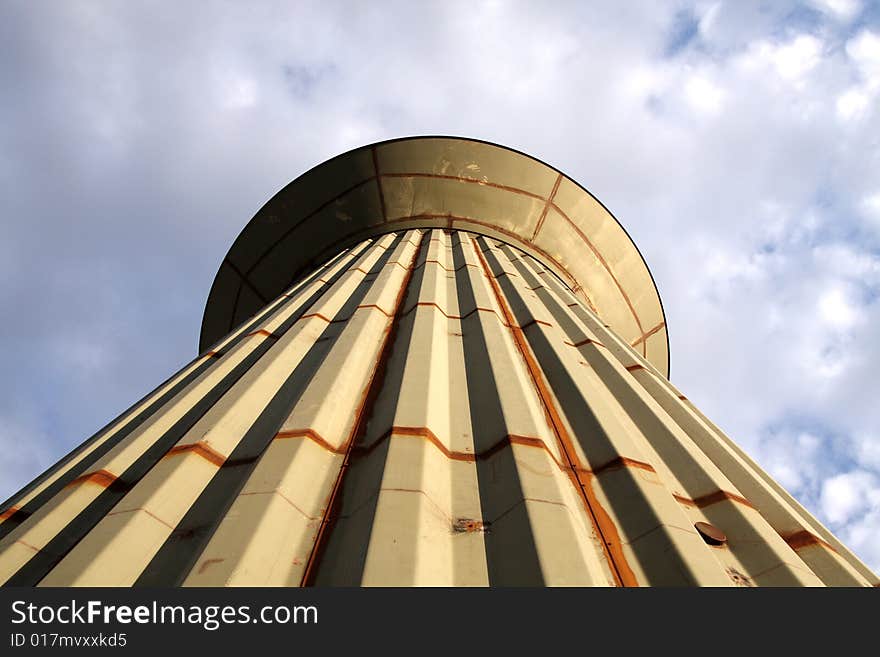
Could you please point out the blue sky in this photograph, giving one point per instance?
(738, 143)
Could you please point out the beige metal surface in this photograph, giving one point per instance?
(429, 407)
(442, 182)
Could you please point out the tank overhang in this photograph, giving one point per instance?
(441, 182)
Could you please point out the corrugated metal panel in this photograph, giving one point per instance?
(431, 407)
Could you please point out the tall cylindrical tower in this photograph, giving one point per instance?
(430, 361)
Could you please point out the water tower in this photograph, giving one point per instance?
(428, 361)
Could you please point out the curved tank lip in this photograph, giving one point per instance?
(205, 344)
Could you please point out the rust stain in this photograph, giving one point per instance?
(312, 435)
(28, 545)
(102, 478)
(586, 341)
(740, 579)
(450, 218)
(373, 305)
(318, 315)
(368, 396)
(469, 526)
(465, 179)
(147, 511)
(207, 563)
(633, 368)
(443, 267)
(719, 495)
(9, 513)
(543, 216)
(262, 332)
(431, 437)
(200, 448)
(623, 462)
(648, 334)
(534, 321)
(803, 539)
(605, 264)
(213, 354)
(683, 500)
(604, 526)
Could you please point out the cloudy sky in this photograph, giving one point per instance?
(738, 143)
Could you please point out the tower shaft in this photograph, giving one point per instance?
(429, 407)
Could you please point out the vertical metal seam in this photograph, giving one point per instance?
(369, 395)
(621, 571)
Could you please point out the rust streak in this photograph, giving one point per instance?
(102, 478)
(649, 333)
(586, 341)
(368, 396)
(534, 321)
(633, 368)
(605, 264)
(604, 526)
(803, 539)
(431, 437)
(443, 312)
(373, 305)
(200, 448)
(718, 496)
(9, 513)
(312, 435)
(28, 545)
(543, 216)
(318, 315)
(463, 179)
(449, 219)
(443, 267)
(713, 498)
(147, 511)
(623, 462)
(683, 500)
(262, 332)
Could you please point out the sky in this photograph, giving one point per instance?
(737, 142)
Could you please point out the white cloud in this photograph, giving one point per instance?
(867, 449)
(703, 95)
(844, 10)
(837, 309)
(852, 104)
(709, 18)
(860, 535)
(792, 61)
(864, 50)
(850, 494)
